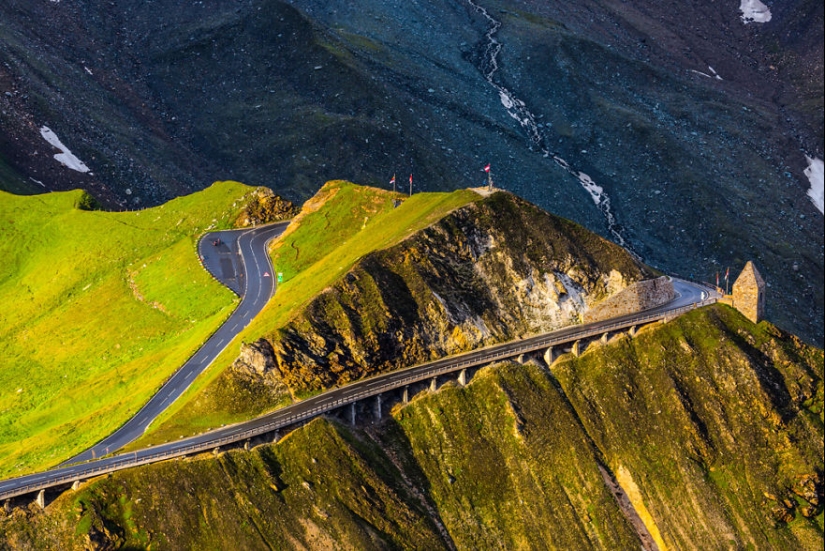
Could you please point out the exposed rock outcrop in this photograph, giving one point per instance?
(256, 357)
(639, 296)
(255, 366)
(488, 272)
(265, 206)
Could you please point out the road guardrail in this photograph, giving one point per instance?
(282, 418)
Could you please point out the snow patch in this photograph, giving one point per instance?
(814, 173)
(506, 101)
(715, 75)
(66, 158)
(754, 11)
(592, 188)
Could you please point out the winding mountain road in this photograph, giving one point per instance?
(238, 259)
(689, 296)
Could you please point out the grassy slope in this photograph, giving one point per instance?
(508, 466)
(505, 462)
(98, 309)
(716, 420)
(320, 488)
(500, 464)
(342, 223)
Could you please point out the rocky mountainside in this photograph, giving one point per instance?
(681, 131)
(495, 269)
(709, 430)
(491, 271)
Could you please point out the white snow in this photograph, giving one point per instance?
(591, 187)
(715, 74)
(814, 175)
(66, 158)
(754, 11)
(506, 101)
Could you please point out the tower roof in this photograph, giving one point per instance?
(750, 275)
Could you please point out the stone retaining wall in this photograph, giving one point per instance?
(639, 296)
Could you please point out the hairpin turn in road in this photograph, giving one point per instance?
(239, 259)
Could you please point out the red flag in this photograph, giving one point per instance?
(410, 179)
(487, 168)
(727, 273)
(393, 180)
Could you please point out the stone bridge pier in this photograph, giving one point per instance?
(374, 408)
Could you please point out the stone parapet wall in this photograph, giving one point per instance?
(639, 296)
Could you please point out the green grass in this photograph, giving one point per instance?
(710, 413)
(322, 487)
(341, 224)
(99, 308)
(506, 465)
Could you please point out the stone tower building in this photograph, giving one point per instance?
(749, 293)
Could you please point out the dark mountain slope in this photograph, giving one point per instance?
(700, 173)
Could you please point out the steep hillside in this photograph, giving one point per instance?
(681, 130)
(440, 274)
(715, 424)
(716, 441)
(334, 230)
(99, 308)
(486, 273)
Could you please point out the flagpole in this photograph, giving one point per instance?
(727, 278)
(489, 177)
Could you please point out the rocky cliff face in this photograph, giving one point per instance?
(710, 424)
(639, 296)
(488, 272)
(265, 206)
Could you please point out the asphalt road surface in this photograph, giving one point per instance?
(239, 259)
(688, 296)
